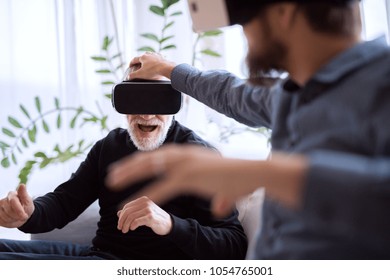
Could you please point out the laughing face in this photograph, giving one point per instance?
(148, 132)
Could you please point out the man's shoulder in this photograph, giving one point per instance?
(181, 134)
(116, 136)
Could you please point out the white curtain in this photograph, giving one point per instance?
(376, 18)
(45, 51)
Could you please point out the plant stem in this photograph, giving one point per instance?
(33, 122)
(194, 49)
(113, 70)
(163, 32)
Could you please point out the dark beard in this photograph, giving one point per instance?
(265, 70)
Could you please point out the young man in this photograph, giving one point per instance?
(329, 197)
(183, 228)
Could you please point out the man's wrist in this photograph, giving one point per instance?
(167, 69)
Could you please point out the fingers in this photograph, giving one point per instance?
(163, 190)
(222, 206)
(23, 195)
(144, 212)
(129, 170)
(134, 220)
(134, 214)
(16, 209)
(138, 167)
(11, 211)
(152, 66)
(128, 213)
(134, 61)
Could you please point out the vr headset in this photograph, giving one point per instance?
(212, 14)
(146, 97)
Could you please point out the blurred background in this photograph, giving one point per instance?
(59, 60)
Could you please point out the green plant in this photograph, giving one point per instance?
(162, 39)
(112, 64)
(23, 134)
(207, 51)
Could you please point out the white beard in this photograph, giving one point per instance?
(149, 143)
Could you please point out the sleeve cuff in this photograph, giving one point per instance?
(179, 228)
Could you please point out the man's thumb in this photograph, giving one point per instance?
(23, 194)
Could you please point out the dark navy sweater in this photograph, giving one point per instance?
(196, 234)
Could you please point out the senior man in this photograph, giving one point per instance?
(183, 228)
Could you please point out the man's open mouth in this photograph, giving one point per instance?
(147, 128)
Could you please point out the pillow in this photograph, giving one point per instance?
(81, 231)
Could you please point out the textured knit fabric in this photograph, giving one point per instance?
(196, 234)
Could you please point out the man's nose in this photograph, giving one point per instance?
(147, 117)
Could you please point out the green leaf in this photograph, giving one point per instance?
(211, 33)
(73, 121)
(106, 43)
(103, 122)
(57, 102)
(38, 104)
(40, 155)
(165, 3)
(108, 83)
(168, 25)
(14, 159)
(4, 145)
(92, 120)
(14, 122)
(81, 143)
(104, 71)
(24, 111)
(210, 53)
(120, 66)
(32, 133)
(24, 142)
(166, 39)
(146, 49)
(108, 95)
(115, 56)
(26, 171)
(45, 126)
(150, 36)
(57, 149)
(168, 47)
(98, 58)
(172, 2)
(45, 163)
(59, 121)
(176, 14)
(19, 149)
(5, 162)
(8, 132)
(157, 10)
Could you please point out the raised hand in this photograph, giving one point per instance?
(151, 66)
(196, 170)
(16, 208)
